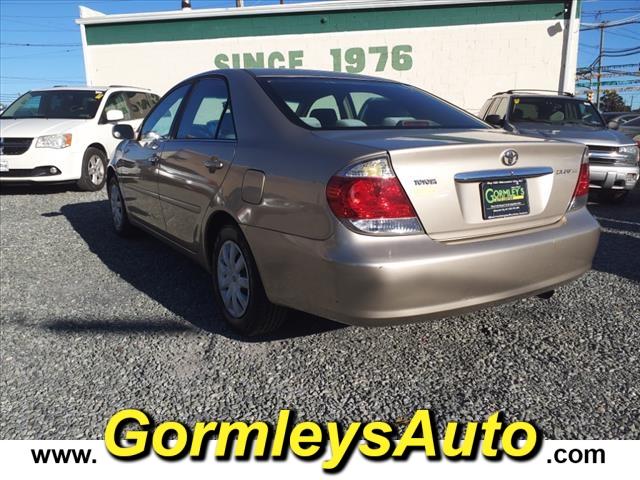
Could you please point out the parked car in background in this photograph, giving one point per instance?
(63, 134)
(620, 117)
(613, 156)
(362, 200)
(631, 128)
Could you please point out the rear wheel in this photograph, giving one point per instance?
(238, 288)
(94, 170)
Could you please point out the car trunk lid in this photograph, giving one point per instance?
(446, 175)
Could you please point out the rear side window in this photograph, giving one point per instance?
(501, 108)
(207, 115)
(344, 103)
(492, 107)
(485, 108)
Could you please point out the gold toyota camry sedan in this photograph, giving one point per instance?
(362, 200)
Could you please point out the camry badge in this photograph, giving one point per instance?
(509, 157)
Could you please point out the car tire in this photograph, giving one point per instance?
(238, 288)
(614, 196)
(94, 170)
(119, 216)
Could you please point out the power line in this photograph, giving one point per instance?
(10, 44)
(613, 23)
(621, 50)
(2, 77)
(618, 34)
(50, 53)
(597, 13)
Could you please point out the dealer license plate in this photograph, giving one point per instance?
(504, 198)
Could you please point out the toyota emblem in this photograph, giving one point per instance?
(509, 157)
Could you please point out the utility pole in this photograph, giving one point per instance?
(600, 65)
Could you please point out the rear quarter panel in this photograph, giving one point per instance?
(296, 163)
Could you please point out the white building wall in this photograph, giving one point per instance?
(462, 64)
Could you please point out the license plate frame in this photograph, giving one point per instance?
(504, 198)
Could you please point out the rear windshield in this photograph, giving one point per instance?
(561, 111)
(74, 104)
(331, 104)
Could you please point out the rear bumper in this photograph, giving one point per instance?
(613, 177)
(363, 280)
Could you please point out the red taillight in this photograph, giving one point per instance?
(356, 198)
(582, 187)
(369, 198)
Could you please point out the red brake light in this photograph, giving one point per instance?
(369, 198)
(582, 187)
(356, 198)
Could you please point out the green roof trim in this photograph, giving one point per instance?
(324, 22)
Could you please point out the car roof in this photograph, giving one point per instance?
(541, 95)
(291, 72)
(89, 88)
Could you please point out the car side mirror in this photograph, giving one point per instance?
(123, 132)
(495, 120)
(613, 125)
(115, 116)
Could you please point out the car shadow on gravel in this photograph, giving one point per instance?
(620, 239)
(168, 277)
(37, 189)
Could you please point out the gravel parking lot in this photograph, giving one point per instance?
(91, 323)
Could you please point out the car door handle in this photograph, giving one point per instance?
(213, 164)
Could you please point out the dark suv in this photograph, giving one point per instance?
(613, 156)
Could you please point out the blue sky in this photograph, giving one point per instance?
(52, 21)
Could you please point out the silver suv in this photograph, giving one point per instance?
(613, 156)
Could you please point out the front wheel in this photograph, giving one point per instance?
(118, 211)
(94, 170)
(238, 288)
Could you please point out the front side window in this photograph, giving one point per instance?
(117, 101)
(333, 103)
(133, 105)
(72, 104)
(160, 121)
(139, 104)
(207, 115)
(561, 111)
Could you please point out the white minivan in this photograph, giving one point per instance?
(63, 134)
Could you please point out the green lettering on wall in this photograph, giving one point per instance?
(221, 61)
(251, 61)
(276, 60)
(295, 58)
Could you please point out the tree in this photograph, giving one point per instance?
(611, 101)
